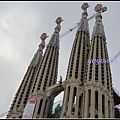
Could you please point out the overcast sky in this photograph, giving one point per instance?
(22, 23)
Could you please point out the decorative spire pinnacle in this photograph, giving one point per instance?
(58, 27)
(38, 55)
(84, 8)
(42, 44)
(54, 40)
(43, 36)
(99, 9)
(83, 24)
(99, 28)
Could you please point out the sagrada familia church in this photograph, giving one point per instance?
(88, 90)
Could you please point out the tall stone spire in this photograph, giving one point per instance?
(38, 55)
(21, 97)
(46, 75)
(55, 36)
(98, 85)
(99, 28)
(74, 83)
(83, 25)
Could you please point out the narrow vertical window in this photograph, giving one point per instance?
(67, 99)
(74, 99)
(96, 100)
(80, 105)
(103, 104)
(108, 109)
(89, 97)
(40, 106)
(74, 95)
(89, 102)
(68, 93)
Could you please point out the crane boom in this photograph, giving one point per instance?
(116, 56)
(76, 25)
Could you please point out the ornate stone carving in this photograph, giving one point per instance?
(98, 8)
(58, 20)
(42, 44)
(43, 36)
(58, 27)
(85, 6)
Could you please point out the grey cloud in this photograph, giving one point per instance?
(22, 23)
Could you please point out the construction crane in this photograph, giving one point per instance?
(115, 57)
(76, 25)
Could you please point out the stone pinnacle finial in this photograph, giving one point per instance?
(42, 44)
(84, 8)
(43, 36)
(99, 28)
(58, 21)
(99, 9)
